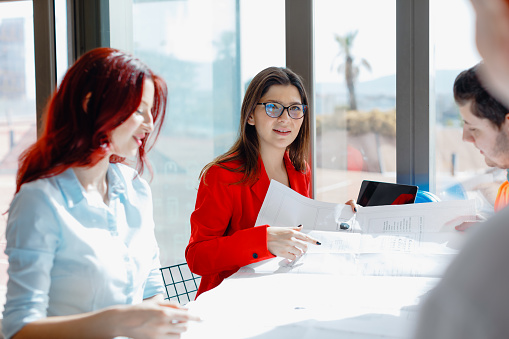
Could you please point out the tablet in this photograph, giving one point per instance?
(375, 193)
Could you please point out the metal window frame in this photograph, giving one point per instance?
(45, 55)
(88, 27)
(299, 37)
(414, 142)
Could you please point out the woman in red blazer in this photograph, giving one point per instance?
(272, 144)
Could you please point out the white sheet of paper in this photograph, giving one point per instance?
(285, 207)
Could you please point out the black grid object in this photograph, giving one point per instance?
(180, 283)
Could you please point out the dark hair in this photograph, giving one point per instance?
(110, 83)
(246, 148)
(468, 88)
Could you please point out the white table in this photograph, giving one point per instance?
(309, 306)
(366, 282)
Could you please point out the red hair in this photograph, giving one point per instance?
(110, 83)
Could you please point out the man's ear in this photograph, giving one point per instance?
(250, 120)
(85, 102)
(505, 124)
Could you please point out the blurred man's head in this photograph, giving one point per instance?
(486, 120)
(492, 38)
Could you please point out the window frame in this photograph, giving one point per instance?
(45, 55)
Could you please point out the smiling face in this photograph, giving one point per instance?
(276, 133)
(128, 137)
(487, 137)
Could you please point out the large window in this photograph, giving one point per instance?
(355, 95)
(207, 51)
(461, 172)
(17, 105)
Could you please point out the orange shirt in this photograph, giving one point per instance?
(502, 199)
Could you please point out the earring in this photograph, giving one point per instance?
(104, 143)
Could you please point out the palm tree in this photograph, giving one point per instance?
(349, 66)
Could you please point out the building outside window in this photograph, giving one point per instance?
(355, 95)
(17, 106)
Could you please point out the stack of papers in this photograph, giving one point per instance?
(396, 240)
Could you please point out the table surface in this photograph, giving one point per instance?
(295, 305)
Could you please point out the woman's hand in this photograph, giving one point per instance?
(352, 204)
(152, 319)
(288, 242)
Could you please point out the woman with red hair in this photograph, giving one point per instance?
(83, 258)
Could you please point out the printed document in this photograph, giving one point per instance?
(395, 240)
(285, 207)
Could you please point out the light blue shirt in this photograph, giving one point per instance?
(70, 253)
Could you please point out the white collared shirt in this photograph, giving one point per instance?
(70, 253)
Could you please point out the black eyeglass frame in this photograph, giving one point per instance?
(304, 109)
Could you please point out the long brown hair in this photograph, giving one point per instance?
(246, 148)
(111, 83)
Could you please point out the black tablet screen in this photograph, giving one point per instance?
(374, 193)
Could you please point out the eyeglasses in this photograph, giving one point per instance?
(275, 110)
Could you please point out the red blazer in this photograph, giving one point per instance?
(223, 236)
